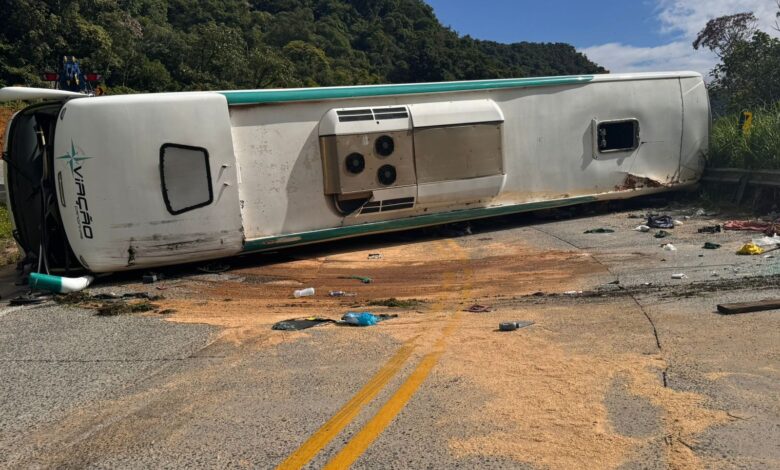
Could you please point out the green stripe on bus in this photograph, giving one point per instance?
(316, 94)
(303, 238)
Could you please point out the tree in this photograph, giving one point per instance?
(746, 76)
(721, 34)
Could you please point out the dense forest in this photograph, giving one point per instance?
(162, 45)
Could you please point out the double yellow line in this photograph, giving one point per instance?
(387, 413)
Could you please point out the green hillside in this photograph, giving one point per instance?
(159, 45)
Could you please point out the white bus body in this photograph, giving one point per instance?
(141, 181)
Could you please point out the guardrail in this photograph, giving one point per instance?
(768, 178)
(743, 178)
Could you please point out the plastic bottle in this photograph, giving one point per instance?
(308, 292)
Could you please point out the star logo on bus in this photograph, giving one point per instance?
(73, 157)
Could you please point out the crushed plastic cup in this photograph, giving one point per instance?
(341, 293)
(308, 292)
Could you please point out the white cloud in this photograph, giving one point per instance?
(682, 20)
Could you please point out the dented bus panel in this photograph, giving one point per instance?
(138, 181)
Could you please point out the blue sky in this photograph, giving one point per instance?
(575, 22)
(624, 36)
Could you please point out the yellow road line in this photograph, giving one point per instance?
(398, 401)
(347, 413)
(363, 439)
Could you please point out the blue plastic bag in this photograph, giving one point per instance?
(360, 319)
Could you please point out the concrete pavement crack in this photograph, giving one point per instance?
(633, 297)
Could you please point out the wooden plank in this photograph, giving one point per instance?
(730, 309)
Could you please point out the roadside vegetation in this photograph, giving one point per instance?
(9, 253)
(172, 45)
(758, 148)
(746, 80)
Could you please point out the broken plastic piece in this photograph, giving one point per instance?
(58, 284)
(363, 279)
(514, 325)
(679, 276)
(477, 308)
(341, 293)
(669, 247)
(711, 246)
(642, 228)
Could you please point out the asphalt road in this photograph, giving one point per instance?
(644, 374)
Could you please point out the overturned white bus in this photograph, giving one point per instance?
(123, 182)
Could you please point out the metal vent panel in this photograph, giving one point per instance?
(375, 114)
(388, 205)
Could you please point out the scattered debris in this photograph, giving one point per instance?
(364, 318)
(375, 256)
(341, 293)
(58, 284)
(767, 242)
(662, 234)
(110, 309)
(396, 303)
(710, 229)
(573, 292)
(300, 323)
(308, 292)
(669, 247)
(214, 268)
(660, 221)
(679, 276)
(150, 278)
(637, 216)
(455, 229)
(477, 308)
(515, 325)
(750, 249)
(768, 228)
(600, 230)
(363, 279)
(678, 223)
(642, 228)
(711, 246)
(30, 298)
(747, 307)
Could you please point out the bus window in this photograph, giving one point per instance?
(618, 136)
(186, 178)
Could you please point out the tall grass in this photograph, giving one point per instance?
(759, 149)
